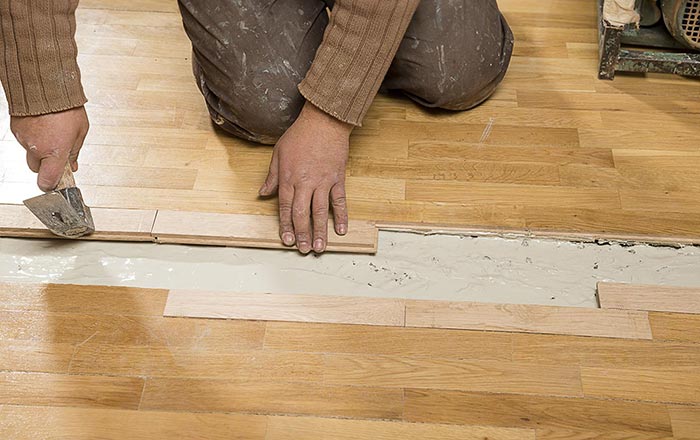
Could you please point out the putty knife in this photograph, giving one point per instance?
(63, 210)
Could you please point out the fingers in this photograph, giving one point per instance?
(286, 198)
(269, 188)
(50, 172)
(340, 210)
(319, 211)
(301, 216)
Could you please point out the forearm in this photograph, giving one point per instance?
(38, 56)
(358, 47)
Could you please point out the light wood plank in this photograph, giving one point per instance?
(19, 388)
(271, 397)
(297, 428)
(670, 384)
(521, 411)
(451, 374)
(250, 231)
(285, 307)
(528, 319)
(646, 297)
(675, 327)
(73, 298)
(47, 357)
(110, 224)
(155, 361)
(685, 421)
(333, 338)
(603, 352)
(78, 329)
(54, 423)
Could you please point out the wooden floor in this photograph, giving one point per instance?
(554, 150)
(84, 362)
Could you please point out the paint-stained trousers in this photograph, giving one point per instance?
(250, 55)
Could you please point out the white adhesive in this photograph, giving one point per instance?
(443, 267)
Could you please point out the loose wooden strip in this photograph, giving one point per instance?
(271, 397)
(452, 374)
(329, 338)
(250, 231)
(528, 319)
(675, 327)
(285, 307)
(110, 224)
(521, 411)
(685, 421)
(32, 422)
(68, 390)
(646, 297)
(295, 428)
(672, 385)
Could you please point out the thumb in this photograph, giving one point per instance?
(50, 172)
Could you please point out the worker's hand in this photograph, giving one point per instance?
(308, 171)
(51, 141)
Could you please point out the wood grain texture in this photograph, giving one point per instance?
(652, 298)
(110, 224)
(113, 367)
(285, 307)
(249, 231)
(442, 406)
(296, 428)
(32, 422)
(551, 135)
(670, 384)
(674, 327)
(19, 388)
(271, 397)
(529, 319)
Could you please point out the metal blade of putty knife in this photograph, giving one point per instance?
(63, 210)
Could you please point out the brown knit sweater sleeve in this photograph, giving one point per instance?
(38, 65)
(358, 47)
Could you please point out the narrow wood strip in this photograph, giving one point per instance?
(111, 224)
(675, 327)
(67, 390)
(452, 374)
(528, 319)
(245, 230)
(33, 422)
(283, 307)
(271, 397)
(295, 428)
(670, 385)
(647, 297)
(528, 411)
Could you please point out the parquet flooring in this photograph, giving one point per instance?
(86, 362)
(555, 152)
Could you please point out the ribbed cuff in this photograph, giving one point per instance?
(38, 56)
(358, 47)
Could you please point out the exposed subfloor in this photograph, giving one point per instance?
(486, 269)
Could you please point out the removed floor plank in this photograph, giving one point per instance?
(651, 298)
(528, 319)
(279, 307)
(111, 224)
(244, 230)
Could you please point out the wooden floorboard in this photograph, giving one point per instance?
(652, 298)
(555, 152)
(112, 366)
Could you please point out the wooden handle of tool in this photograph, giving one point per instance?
(67, 180)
